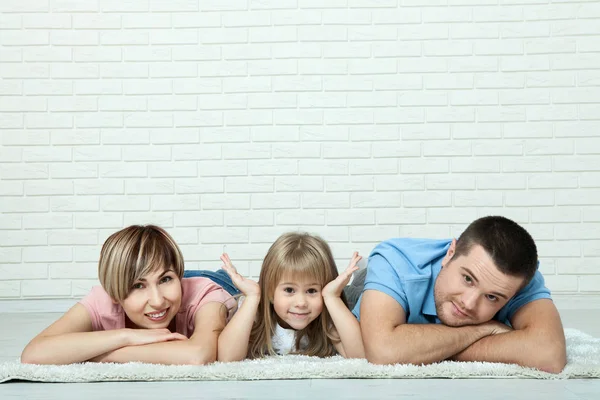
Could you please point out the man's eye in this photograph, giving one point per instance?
(468, 279)
(491, 297)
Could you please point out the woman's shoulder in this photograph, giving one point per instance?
(104, 312)
(196, 284)
(199, 290)
(97, 297)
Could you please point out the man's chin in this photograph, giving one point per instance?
(453, 322)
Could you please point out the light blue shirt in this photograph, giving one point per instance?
(406, 269)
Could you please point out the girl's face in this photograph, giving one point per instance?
(154, 300)
(297, 302)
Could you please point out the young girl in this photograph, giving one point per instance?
(297, 306)
(143, 312)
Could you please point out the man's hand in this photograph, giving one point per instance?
(497, 327)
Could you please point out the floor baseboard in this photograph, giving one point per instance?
(577, 301)
(37, 305)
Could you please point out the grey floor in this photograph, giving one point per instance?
(18, 328)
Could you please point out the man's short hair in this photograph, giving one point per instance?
(509, 245)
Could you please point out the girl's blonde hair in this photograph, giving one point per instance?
(297, 256)
(134, 252)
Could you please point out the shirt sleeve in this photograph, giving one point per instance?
(211, 292)
(93, 302)
(383, 277)
(535, 290)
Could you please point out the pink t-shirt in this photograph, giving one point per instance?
(196, 292)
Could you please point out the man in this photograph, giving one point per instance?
(480, 298)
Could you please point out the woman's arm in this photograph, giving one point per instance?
(200, 349)
(70, 340)
(346, 325)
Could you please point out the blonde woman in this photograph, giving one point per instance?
(144, 310)
(297, 307)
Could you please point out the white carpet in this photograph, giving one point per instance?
(583, 352)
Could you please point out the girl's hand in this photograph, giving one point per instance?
(137, 337)
(335, 287)
(247, 286)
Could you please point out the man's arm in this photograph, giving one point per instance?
(388, 339)
(538, 340)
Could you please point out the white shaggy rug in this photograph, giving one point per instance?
(583, 353)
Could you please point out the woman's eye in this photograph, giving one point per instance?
(166, 279)
(138, 286)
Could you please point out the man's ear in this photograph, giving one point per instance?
(449, 253)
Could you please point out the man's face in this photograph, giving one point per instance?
(470, 289)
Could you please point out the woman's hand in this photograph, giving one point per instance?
(247, 286)
(336, 286)
(138, 337)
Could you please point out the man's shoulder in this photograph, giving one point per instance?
(415, 243)
(411, 254)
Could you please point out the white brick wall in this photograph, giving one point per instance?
(233, 121)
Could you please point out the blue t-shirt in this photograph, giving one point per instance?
(406, 269)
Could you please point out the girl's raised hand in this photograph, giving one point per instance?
(247, 286)
(336, 286)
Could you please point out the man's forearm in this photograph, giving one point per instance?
(423, 343)
(523, 347)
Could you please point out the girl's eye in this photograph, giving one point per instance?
(166, 279)
(138, 286)
(288, 290)
(312, 291)
(491, 297)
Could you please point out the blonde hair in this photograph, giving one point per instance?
(295, 255)
(134, 252)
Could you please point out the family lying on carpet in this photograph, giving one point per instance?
(419, 301)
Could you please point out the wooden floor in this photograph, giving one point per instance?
(18, 328)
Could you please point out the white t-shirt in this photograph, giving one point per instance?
(284, 341)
